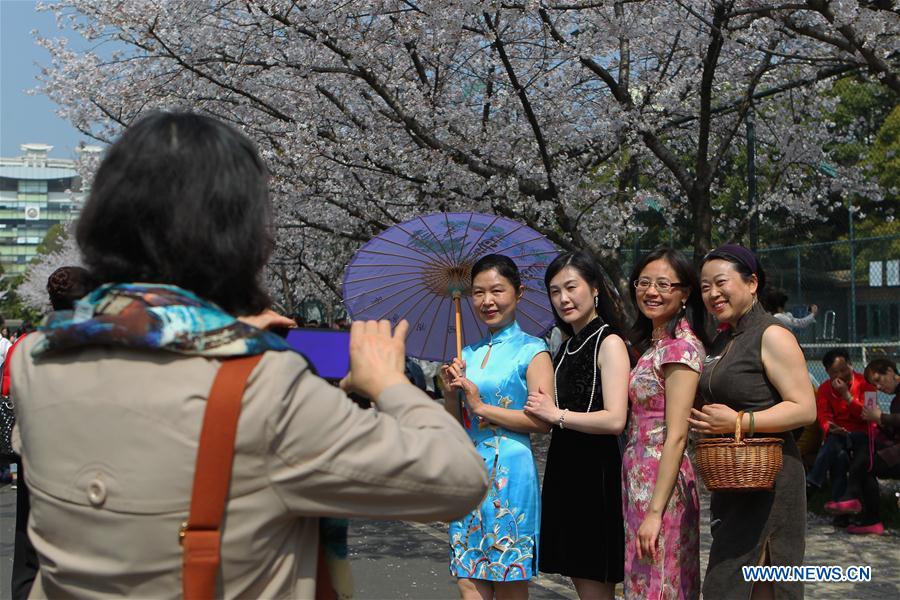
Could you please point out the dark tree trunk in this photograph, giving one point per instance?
(701, 222)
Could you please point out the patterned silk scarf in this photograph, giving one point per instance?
(153, 317)
(170, 319)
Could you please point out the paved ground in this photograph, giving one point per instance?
(394, 559)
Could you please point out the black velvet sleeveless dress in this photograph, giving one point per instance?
(582, 531)
(746, 526)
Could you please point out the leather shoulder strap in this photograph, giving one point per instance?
(201, 535)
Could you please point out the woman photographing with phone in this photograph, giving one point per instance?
(178, 226)
(493, 550)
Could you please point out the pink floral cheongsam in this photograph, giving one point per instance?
(676, 574)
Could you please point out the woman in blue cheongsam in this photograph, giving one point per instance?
(493, 550)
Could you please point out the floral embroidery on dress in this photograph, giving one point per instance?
(502, 554)
(497, 540)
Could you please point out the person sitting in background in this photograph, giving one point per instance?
(862, 490)
(839, 404)
(809, 443)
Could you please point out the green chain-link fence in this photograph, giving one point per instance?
(856, 286)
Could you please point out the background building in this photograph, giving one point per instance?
(36, 193)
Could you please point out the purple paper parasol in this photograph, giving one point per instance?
(411, 271)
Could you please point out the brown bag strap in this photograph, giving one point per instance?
(200, 534)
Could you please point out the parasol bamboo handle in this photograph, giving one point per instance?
(456, 303)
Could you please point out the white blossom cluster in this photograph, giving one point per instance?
(566, 115)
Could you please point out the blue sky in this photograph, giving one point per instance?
(25, 118)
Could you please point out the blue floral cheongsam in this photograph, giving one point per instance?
(498, 540)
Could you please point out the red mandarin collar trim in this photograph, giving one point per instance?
(745, 321)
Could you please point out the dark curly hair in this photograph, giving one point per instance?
(66, 285)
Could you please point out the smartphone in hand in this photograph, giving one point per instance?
(870, 399)
(328, 350)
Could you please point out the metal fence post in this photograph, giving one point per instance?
(852, 319)
(636, 253)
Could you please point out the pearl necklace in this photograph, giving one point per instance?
(566, 352)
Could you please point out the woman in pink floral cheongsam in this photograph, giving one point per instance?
(661, 506)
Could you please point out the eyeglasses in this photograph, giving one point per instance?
(663, 286)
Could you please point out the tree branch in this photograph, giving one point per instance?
(772, 91)
(744, 107)
(710, 62)
(265, 106)
(327, 281)
(875, 62)
(523, 100)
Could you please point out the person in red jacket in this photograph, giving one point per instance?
(839, 404)
(862, 492)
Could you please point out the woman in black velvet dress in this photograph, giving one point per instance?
(582, 532)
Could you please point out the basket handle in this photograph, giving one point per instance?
(737, 426)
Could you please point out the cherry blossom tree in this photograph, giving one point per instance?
(570, 116)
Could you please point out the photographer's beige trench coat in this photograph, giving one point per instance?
(109, 436)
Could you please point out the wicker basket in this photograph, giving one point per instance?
(736, 464)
